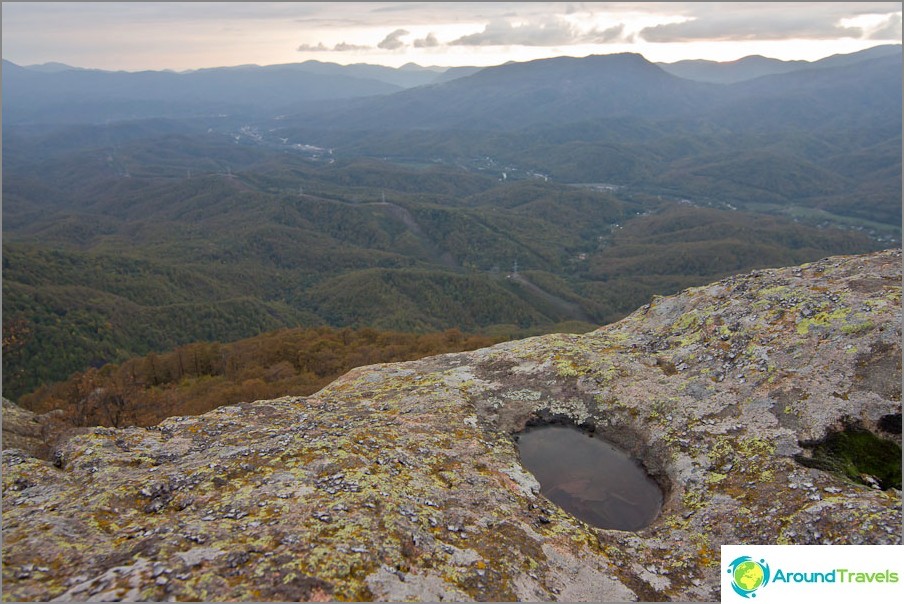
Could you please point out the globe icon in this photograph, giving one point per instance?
(748, 575)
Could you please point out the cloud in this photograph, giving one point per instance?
(548, 32)
(403, 7)
(429, 41)
(340, 47)
(751, 25)
(891, 30)
(344, 46)
(308, 48)
(500, 32)
(392, 41)
(607, 36)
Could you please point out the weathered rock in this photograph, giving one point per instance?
(30, 432)
(402, 481)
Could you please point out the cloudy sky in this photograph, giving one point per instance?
(190, 35)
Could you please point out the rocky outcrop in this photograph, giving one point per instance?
(403, 481)
(33, 433)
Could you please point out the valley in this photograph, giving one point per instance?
(505, 202)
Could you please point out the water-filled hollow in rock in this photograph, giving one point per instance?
(590, 478)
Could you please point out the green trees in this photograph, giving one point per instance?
(101, 267)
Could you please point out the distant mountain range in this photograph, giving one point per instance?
(755, 66)
(97, 96)
(57, 92)
(575, 88)
(571, 90)
(517, 95)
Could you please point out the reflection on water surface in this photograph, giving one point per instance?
(590, 478)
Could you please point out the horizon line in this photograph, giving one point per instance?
(442, 68)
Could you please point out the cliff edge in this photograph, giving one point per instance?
(403, 481)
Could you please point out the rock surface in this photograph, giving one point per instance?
(35, 434)
(403, 481)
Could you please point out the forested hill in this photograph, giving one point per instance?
(756, 66)
(579, 189)
(573, 90)
(819, 136)
(196, 378)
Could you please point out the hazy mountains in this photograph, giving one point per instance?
(567, 90)
(56, 92)
(518, 95)
(819, 137)
(511, 95)
(136, 218)
(99, 96)
(755, 66)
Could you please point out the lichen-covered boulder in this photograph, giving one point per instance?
(403, 481)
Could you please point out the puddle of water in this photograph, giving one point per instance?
(590, 478)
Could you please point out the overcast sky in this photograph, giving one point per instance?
(190, 35)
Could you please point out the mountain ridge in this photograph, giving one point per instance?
(754, 66)
(832, 60)
(91, 93)
(566, 89)
(516, 95)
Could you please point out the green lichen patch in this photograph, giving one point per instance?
(822, 319)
